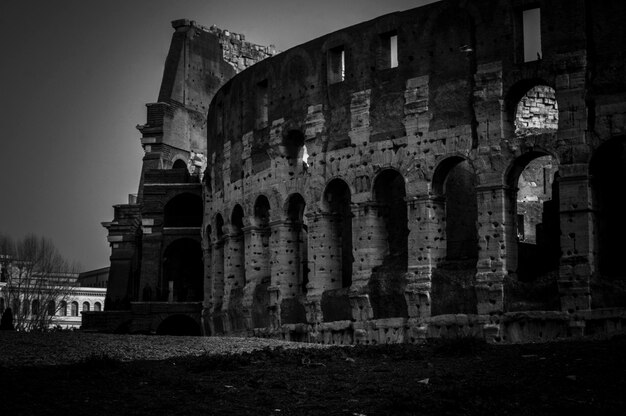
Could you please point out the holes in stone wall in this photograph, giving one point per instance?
(179, 164)
(537, 112)
(388, 55)
(184, 210)
(336, 65)
(531, 29)
(262, 107)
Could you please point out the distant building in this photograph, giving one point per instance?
(94, 278)
(65, 296)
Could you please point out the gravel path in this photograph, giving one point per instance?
(21, 348)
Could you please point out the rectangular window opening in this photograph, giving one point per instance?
(336, 65)
(388, 55)
(531, 27)
(393, 51)
(262, 104)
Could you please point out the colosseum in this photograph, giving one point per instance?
(454, 169)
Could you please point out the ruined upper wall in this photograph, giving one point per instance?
(200, 60)
(461, 72)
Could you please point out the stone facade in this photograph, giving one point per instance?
(349, 199)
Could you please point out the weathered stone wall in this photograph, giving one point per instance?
(458, 120)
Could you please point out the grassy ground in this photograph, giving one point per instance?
(449, 377)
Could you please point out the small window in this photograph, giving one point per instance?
(531, 27)
(336, 65)
(63, 308)
(85, 306)
(262, 104)
(97, 307)
(74, 308)
(51, 308)
(35, 307)
(389, 53)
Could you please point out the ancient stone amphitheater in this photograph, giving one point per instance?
(455, 169)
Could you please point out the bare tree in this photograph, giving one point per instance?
(36, 280)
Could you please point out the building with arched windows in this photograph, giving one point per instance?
(451, 169)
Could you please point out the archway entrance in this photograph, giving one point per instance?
(533, 248)
(608, 181)
(388, 281)
(183, 271)
(181, 325)
(454, 189)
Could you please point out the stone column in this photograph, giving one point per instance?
(234, 276)
(217, 294)
(369, 242)
(427, 247)
(577, 237)
(257, 266)
(324, 250)
(208, 289)
(497, 241)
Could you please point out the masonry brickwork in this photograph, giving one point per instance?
(347, 199)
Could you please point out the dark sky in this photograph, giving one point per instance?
(75, 76)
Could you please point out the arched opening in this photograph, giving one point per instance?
(338, 199)
(184, 210)
(455, 203)
(63, 308)
(533, 243)
(388, 282)
(86, 306)
(537, 112)
(294, 150)
(35, 307)
(259, 262)
(179, 164)
(97, 307)
(74, 309)
(182, 272)
(608, 182)
(180, 325)
(51, 308)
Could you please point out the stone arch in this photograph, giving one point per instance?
(182, 325)
(294, 212)
(454, 236)
(454, 182)
(337, 202)
(183, 210)
(234, 270)
(523, 91)
(608, 182)
(532, 237)
(258, 271)
(179, 164)
(183, 271)
(387, 283)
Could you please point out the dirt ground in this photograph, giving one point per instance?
(445, 377)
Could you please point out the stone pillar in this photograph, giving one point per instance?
(577, 237)
(427, 247)
(497, 242)
(324, 250)
(234, 276)
(369, 241)
(257, 266)
(217, 296)
(208, 289)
